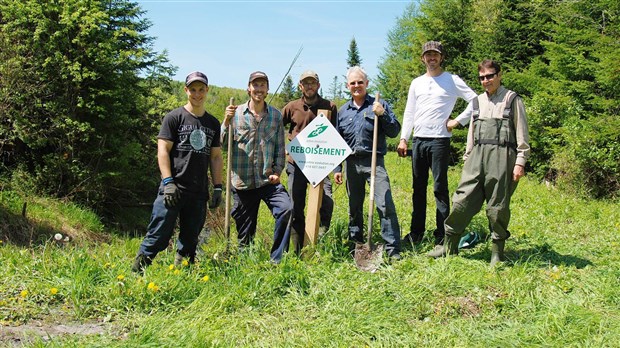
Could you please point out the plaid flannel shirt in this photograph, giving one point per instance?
(258, 147)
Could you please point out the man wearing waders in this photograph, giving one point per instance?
(495, 157)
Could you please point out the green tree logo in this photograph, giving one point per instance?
(319, 129)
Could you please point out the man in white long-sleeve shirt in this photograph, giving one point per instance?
(430, 101)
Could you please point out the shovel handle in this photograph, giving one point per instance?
(373, 172)
(228, 179)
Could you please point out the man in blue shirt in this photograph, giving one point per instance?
(355, 125)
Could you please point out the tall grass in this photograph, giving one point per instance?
(560, 286)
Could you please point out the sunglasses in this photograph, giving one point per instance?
(487, 77)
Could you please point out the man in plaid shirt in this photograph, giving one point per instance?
(258, 158)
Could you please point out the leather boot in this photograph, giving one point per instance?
(449, 247)
(178, 260)
(497, 251)
(140, 263)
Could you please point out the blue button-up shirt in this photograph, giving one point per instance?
(356, 126)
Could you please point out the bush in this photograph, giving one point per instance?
(588, 163)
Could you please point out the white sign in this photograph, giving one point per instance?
(318, 149)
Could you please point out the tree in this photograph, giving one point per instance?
(335, 89)
(578, 76)
(289, 90)
(74, 77)
(353, 55)
(560, 56)
(400, 64)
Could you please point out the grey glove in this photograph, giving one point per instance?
(216, 199)
(171, 195)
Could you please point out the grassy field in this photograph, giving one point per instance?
(559, 288)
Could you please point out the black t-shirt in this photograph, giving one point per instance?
(193, 138)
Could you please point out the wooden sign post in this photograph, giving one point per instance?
(317, 150)
(313, 218)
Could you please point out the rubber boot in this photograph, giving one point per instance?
(497, 251)
(449, 247)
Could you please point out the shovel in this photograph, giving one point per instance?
(226, 253)
(368, 256)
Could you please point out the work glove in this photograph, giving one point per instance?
(216, 199)
(171, 195)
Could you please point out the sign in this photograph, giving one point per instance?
(318, 149)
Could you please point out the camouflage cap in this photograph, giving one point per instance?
(432, 46)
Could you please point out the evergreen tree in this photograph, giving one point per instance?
(335, 89)
(72, 77)
(353, 55)
(289, 90)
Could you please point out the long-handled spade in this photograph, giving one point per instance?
(368, 256)
(226, 253)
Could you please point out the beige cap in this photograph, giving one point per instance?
(309, 73)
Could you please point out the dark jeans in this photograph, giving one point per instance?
(433, 154)
(245, 213)
(297, 185)
(191, 211)
(358, 174)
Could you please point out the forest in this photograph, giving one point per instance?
(82, 91)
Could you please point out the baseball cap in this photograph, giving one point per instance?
(432, 46)
(309, 73)
(196, 76)
(258, 75)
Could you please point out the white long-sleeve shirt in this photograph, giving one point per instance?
(429, 104)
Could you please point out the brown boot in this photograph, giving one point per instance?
(140, 263)
(178, 260)
(497, 251)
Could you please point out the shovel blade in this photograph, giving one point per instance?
(368, 257)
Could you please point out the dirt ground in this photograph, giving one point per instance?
(17, 336)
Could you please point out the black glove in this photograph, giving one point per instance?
(171, 195)
(216, 199)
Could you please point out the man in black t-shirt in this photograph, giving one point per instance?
(188, 145)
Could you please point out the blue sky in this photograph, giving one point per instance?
(227, 40)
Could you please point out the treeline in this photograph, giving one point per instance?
(82, 91)
(561, 56)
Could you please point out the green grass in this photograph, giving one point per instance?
(560, 286)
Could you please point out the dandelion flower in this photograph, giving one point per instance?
(120, 277)
(53, 291)
(23, 293)
(185, 263)
(205, 278)
(171, 267)
(153, 287)
(176, 272)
